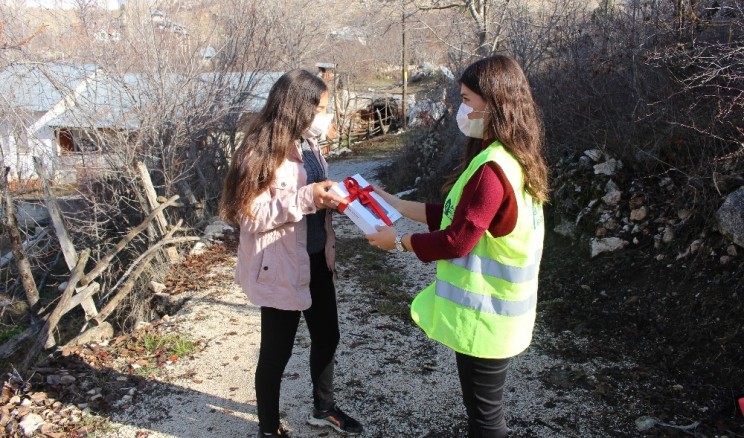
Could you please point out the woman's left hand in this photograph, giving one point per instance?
(384, 238)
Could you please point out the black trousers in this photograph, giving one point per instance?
(482, 382)
(278, 329)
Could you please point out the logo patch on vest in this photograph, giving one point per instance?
(537, 217)
(448, 210)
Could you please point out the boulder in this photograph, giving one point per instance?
(157, 287)
(730, 217)
(608, 244)
(97, 333)
(425, 112)
(447, 73)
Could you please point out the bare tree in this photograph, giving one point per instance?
(141, 88)
(533, 31)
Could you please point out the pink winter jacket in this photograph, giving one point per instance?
(273, 265)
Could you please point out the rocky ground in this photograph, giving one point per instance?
(627, 344)
(649, 275)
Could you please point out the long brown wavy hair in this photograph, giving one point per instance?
(512, 117)
(268, 140)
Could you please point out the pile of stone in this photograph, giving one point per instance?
(73, 391)
(27, 410)
(594, 198)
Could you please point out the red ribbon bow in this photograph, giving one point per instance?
(365, 197)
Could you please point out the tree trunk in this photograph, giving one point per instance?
(405, 70)
(11, 224)
(478, 11)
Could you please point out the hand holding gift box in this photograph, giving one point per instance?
(365, 208)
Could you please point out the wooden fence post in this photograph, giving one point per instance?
(152, 200)
(68, 248)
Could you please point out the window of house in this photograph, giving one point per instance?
(64, 139)
(75, 141)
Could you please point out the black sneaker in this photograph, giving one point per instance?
(280, 433)
(337, 419)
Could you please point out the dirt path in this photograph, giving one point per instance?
(397, 382)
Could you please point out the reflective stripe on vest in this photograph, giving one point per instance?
(485, 303)
(492, 268)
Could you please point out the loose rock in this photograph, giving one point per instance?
(730, 217)
(639, 214)
(608, 244)
(30, 423)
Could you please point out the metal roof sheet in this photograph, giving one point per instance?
(38, 86)
(117, 102)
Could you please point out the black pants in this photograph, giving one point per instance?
(278, 329)
(482, 382)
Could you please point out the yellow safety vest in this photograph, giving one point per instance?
(484, 304)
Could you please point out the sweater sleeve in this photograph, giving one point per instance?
(434, 216)
(487, 203)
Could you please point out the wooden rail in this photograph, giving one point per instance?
(82, 286)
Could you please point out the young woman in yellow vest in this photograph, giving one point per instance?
(486, 239)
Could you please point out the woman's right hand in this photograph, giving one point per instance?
(393, 200)
(411, 209)
(324, 198)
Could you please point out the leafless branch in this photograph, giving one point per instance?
(54, 317)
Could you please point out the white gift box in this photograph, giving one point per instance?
(362, 215)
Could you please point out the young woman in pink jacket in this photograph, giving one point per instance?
(276, 192)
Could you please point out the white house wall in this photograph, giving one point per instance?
(45, 147)
(7, 142)
(19, 157)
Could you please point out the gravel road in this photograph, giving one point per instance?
(389, 375)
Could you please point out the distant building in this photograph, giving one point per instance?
(350, 34)
(68, 115)
(327, 71)
(163, 23)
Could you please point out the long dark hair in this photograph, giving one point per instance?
(512, 117)
(268, 140)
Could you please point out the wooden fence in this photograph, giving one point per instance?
(82, 286)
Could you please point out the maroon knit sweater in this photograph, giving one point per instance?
(487, 203)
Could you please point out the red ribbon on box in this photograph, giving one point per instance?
(365, 197)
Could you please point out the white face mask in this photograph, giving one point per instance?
(470, 127)
(320, 126)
